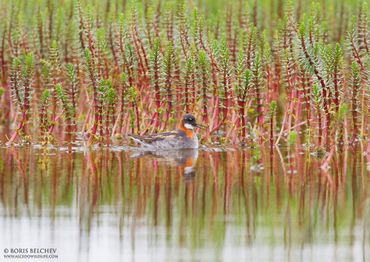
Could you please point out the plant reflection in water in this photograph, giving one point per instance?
(200, 205)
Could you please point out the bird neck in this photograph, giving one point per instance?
(188, 132)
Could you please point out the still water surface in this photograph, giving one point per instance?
(235, 205)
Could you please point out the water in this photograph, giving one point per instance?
(234, 205)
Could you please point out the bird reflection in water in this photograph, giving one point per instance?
(138, 204)
(184, 159)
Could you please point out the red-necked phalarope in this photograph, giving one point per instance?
(183, 137)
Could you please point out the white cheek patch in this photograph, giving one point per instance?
(188, 169)
(188, 126)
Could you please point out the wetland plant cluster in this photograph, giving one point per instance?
(253, 71)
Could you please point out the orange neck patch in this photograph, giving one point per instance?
(188, 132)
(189, 162)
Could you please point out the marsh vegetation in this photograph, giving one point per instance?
(281, 86)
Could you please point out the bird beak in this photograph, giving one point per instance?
(200, 126)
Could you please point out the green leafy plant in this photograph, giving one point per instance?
(137, 67)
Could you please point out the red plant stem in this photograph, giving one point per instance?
(54, 98)
(122, 107)
(368, 154)
(319, 125)
(204, 95)
(74, 115)
(42, 120)
(40, 30)
(156, 82)
(91, 69)
(142, 48)
(179, 88)
(148, 26)
(272, 131)
(257, 86)
(306, 96)
(218, 123)
(186, 91)
(201, 41)
(255, 8)
(137, 116)
(16, 133)
(215, 69)
(107, 124)
(362, 31)
(157, 20)
(81, 26)
(228, 26)
(14, 81)
(341, 20)
(100, 117)
(298, 107)
(69, 129)
(2, 57)
(241, 104)
(225, 104)
(193, 88)
(26, 105)
(184, 46)
(168, 87)
(259, 106)
(234, 48)
(95, 102)
(354, 109)
(156, 120)
(51, 13)
(216, 116)
(169, 27)
(249, 52)
(137, 48)
(113, 50)
(336, 88)
(356, 55)
(322, 83)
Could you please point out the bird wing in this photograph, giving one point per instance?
(150, 139)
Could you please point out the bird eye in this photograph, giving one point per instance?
(190, 119)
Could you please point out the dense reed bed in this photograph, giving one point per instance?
(253, 71)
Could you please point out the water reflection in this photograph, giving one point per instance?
(116, 205)
(185, 159)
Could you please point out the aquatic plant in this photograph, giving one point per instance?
(137, 67)
(21, 84)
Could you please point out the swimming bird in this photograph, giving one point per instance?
(182, 138)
